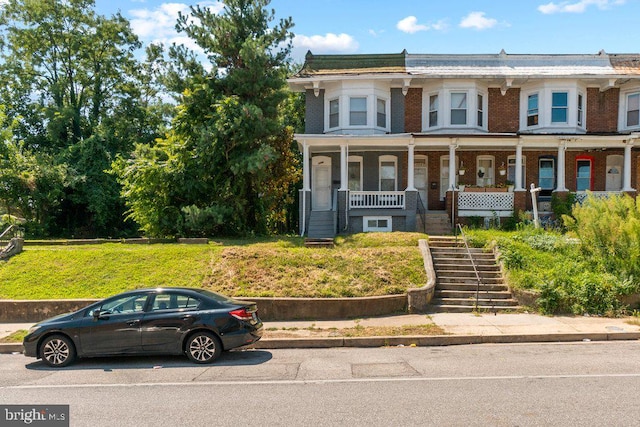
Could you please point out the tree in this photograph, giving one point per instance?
(76, 91)
(226, 165)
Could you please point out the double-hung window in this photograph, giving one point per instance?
(433, 111)
(458, 108)
(532, 110)
(334, 113)
(584, 165)
(358, 111)
(355, 173)
(480, 114)
(559, 107)
(633, 109)
(547, 173)
(580, 110)
(388, 173)
(381, 113)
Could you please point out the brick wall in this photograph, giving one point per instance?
(504, 111)
(413, 110)
(602, 110)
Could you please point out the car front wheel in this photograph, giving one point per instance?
(203, 347)
(57, 351)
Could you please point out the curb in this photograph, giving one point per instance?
(414, 341)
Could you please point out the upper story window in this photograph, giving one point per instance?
(459, 108)
(633, 109)
(357, 111)
(433, 110)
(480, 111)
(381, 113)
(559, 107)
(334, 113)
(532, 110)
(580, 109)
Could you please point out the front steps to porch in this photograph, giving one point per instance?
(435, 223)
(322, 225)
(456, 281)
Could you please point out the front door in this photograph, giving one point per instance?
(321, 191)
(420, 178)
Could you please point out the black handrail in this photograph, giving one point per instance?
(422, 212)
(475, 270)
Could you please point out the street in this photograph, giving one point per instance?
(585, 383)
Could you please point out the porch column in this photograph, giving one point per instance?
(452, 167)
(410, 168)
(562, 148)
(626, 183)
(306, 186)
(518, 172)
(344, 168)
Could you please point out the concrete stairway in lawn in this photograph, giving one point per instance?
(457, 283)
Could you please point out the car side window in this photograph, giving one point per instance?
(187, 302)
(172, 301)
(127, 304)
(162, 302)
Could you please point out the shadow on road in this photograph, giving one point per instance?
(231, 358)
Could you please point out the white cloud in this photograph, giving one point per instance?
(577, 6)
(410, 25)
(478, 21)
(329, 43)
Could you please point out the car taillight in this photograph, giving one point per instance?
(241, 314)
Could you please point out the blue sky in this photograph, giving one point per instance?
(425, 26)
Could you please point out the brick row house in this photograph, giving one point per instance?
(393, 141)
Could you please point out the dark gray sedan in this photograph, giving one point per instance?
(195, 322)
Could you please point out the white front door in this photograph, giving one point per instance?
(420, 178)
(321, 191)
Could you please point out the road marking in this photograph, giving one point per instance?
(314, 382)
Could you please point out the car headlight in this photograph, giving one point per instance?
(33, 329)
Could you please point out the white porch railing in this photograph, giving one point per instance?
(376, 199)
(485, 204)
(582, 195)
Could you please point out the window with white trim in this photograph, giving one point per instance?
(580, 110)
(334, 113)
(355, 173)
(511, 169)
(358, 111)
(547, 173)
(480, 111)
(485, 171)
(559, 107)
(433, 110)
(376, 223)
(458, 108)
(633, 110)
(533, 110)
(388, 173)
(381, 113)
(444, 175)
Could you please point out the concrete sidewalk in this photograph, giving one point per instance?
(459, 328)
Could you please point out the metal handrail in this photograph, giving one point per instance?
(422, 212)
(475, 269)
(11, 231)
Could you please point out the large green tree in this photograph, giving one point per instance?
(79, 97)
(227, 166)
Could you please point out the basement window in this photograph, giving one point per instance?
(376, 223)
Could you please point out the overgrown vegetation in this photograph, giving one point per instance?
(587, 270)
(360, 265)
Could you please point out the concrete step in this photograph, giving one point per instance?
(484, 302)
(445, 294)
(449, 308)
(451, 282)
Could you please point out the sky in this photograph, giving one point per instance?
(423, 26)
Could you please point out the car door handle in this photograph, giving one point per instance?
(133, 322)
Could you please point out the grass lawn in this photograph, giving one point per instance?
(360, 265)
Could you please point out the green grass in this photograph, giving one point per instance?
(361, 265)
(15, 337)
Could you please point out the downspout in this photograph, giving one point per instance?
(305, 179)
(346, 202)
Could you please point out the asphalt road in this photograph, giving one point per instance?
(499, 385)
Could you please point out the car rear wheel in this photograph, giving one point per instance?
(57, 351)
(203, 347)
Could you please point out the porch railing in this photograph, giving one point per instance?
(485, 204)
(376, 200)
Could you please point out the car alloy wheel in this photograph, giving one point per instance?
(203, 347)
(57, 351)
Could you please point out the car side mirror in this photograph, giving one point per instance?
(96, 314)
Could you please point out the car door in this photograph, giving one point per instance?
(170, 315)
(116, 330)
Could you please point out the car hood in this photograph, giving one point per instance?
(55, 319)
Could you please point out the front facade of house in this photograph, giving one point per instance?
(390, 138)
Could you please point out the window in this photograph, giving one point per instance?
(381, 111)
(458, 108)
(388, 173)
(511, 170)
(633, 110)
(357, 111)
(532, 110)
(615, 168)
(334, 113)
(583, 173)
(433, 110)
(480, 117)
(547, 174)
(376, 223)
(124, 304)
(580, 110)
(485, 171)
(444, 176)
(355, 173)
(559, 107)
